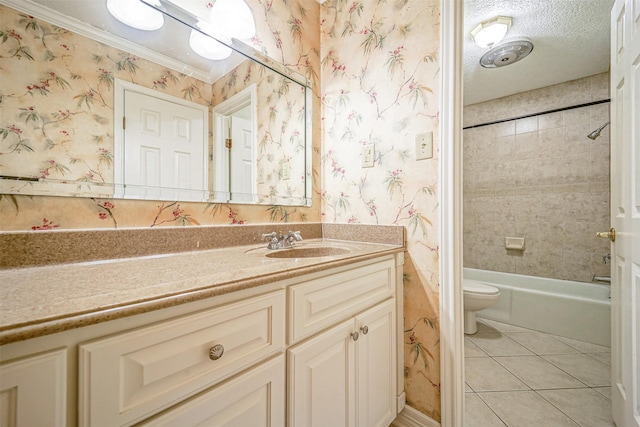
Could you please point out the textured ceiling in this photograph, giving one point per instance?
(570, 37)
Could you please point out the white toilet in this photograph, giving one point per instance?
(476, 296)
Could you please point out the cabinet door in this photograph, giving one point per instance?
(33, 391)
(322, 379)
(255, 398)
(376, 366)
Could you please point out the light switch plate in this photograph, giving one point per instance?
(286, 171)
(424, 146)
(368, 153)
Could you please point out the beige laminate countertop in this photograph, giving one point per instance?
(37, 301)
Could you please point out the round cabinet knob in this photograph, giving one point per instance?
(365, 330)
(216, 352)
(355, 335)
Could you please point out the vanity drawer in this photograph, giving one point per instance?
(322, 302)
(129, 376)
(255, 398)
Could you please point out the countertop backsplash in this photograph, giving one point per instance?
(29, 249)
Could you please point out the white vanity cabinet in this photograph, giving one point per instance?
(320, 348)
(346, 374)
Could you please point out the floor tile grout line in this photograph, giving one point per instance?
(590, 386)
(561, 411)
(572, 376)
(494, 412)
(590, 355)
(513, 373)
(554, 337)
(479, 395)
(514, 342)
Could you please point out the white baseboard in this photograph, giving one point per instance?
(410, 417)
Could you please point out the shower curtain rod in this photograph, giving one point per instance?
(588, 104)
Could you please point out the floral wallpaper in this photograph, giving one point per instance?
(380, 86)
(57, 121)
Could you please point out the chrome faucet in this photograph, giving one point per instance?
(279, 241)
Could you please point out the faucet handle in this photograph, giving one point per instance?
(269, 236)
(274, 241)
(296, 235)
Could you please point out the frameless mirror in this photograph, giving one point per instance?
(94, 108)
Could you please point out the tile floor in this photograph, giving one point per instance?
(517, 377)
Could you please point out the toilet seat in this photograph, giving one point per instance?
(473, 287)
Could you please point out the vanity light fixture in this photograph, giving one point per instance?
(489, 32)
(228, 18)
(136, 14)
(233, 18)
(206, 46)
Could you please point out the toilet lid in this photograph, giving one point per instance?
(474, 287)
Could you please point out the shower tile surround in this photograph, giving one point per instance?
(539, 178)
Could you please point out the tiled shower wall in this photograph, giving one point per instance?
(539, 178)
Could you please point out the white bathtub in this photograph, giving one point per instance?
(577, 310)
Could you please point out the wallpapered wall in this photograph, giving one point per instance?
(54, 100)
(379, 68)
(539, 178)
(380, 85)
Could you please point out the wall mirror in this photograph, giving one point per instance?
(87, 102)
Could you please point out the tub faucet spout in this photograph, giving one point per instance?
(602, 279)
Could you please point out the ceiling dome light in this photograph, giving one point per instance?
(233, 18)
(207, 46)
(136, 14)
(489, 32)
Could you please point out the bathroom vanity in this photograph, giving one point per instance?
(232, 336)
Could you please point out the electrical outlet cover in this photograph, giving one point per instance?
(424, 146)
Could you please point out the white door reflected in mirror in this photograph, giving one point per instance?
(242, 161)
(235, 145)
(163, 151)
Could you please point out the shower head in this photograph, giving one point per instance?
(596, 133)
